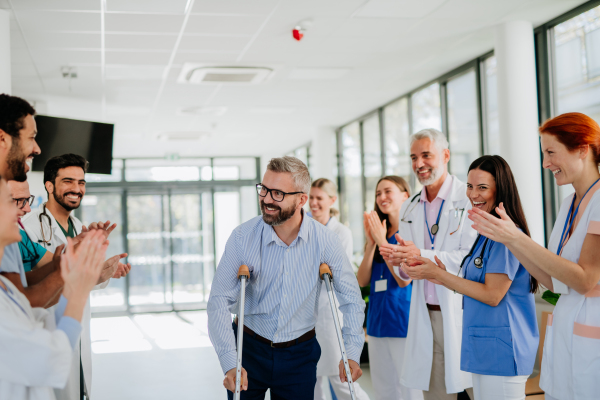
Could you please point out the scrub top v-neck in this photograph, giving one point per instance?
(501, 340)
(388, 309)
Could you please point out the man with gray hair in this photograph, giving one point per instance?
(283, 250)
(433, 224)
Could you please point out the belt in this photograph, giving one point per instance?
(433, 307)
(282, 345)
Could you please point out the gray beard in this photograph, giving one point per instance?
(436, 173)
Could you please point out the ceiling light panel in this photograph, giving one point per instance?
(224, 24)
(34, 20)
(141, 72)
(254, 7)
(141, 41)
(203, 74)
(147, 6)
(143, 23)
(87, 5)
(308, 74)
(398, 8)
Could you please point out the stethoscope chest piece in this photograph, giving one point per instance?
(434, 229)
(478, 262)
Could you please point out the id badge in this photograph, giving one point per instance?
(381, 285)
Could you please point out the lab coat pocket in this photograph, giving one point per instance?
(492, 351)
(586, 360)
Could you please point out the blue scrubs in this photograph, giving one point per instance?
(31, 252)
(388, 309)
(501, 340)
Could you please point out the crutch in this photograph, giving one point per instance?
(243, 275)
(325, 274)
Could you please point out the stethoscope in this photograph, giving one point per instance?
(30, 256)
(43, 215)
(478, 260)
(435, 227)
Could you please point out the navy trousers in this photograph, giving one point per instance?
(290, 373)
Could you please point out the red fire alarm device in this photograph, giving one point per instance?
(298, 33)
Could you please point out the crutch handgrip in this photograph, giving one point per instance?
(243, 271)
(324, 269)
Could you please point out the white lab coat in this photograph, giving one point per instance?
(451, 249)
(33, 228)
(571, 355)
(325, 329)
(35, 356)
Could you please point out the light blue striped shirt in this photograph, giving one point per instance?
(283, 291)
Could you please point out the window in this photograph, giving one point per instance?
(352, 203)
(372, 158)
(396, 134)
(463, 123)
(577, 64)
(490, 96)
(426, 112)
(576, 69)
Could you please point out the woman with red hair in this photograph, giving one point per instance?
(571, 265)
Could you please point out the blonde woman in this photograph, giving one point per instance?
(389, 300)
(323, 194)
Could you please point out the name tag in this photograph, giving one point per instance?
(381, 285)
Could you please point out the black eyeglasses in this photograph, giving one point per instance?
(276, 195)
(22, 202)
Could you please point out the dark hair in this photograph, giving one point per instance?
(403, 186)
(13, 111)
(57, 163)
(506, 193)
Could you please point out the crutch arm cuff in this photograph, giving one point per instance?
(243, 271)
(324, 269)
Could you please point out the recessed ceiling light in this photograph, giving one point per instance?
(148, 6)
(203, 111)
(308, 74)
(181, 136)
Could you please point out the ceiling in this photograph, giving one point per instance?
(355, 56)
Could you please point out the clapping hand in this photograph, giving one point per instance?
(399, 254)
(424, 268)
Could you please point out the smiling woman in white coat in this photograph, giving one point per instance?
(433, 223)
(570, 266)
(323, 194)
(35, 345)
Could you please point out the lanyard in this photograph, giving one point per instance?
(569, 221)
(434, 227)
(7, 290)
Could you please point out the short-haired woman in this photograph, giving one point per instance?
(571, 265)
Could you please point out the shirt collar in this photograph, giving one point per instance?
(269, 234)
(444, 192)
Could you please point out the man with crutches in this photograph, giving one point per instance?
(283, 251)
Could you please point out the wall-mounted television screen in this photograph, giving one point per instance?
(92, 140)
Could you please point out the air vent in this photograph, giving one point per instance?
(181, 136)
(201, 74)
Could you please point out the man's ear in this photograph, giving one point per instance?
(303, 200)
(5, 141)
(49, 187)
(446, 155)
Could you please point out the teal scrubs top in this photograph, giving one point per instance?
(501, 340)
(31, 252)
(389, 309)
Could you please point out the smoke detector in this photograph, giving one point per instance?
(201, 74)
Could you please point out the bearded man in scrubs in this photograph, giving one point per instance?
(433, 223)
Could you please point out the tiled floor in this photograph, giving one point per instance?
(157, 357)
